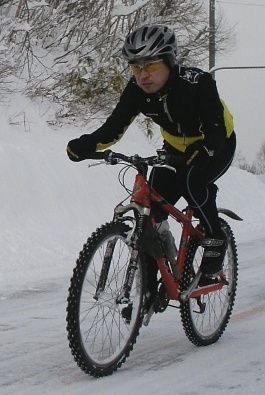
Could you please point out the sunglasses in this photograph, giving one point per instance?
(148, 67)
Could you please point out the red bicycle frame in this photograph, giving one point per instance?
(143, 194)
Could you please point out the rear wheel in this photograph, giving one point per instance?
(204, 319)
(99, 338)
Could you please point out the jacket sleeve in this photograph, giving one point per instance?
(211, 113)
(122, 116)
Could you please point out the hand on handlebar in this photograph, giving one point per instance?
(80, 149)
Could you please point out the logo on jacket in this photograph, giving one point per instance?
(191, 76)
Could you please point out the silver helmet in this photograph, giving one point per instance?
(149, 41)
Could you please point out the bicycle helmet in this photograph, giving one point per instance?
(150, 41)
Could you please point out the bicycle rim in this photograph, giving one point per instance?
(99, 336)
(204, 319)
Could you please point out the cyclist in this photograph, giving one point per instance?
(196, 126)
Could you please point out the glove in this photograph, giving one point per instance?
(79, 149)
(197, 154)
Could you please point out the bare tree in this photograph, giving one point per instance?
(71, 50)
(4, 2)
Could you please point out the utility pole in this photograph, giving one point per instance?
(212, 35)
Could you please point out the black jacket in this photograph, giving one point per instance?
(188, 108)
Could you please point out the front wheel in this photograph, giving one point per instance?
(99, 337)
(205, 318)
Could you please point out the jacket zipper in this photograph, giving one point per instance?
(164, 101)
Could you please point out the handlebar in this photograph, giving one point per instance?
(115, 157)
(161, 159)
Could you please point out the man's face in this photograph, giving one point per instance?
(151, 75)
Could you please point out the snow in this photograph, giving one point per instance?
(49, 206)
(22, 26)
(120, 10)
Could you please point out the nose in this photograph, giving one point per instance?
(143, 73)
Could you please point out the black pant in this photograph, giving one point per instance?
(196, 185)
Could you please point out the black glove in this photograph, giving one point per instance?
(79, 149)
(197, 154)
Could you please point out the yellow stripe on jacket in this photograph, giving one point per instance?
(181, 142)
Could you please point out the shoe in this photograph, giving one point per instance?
(208, 279)
(214, 253)
(126, 312)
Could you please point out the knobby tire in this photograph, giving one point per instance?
(205, 327)
(99, 337)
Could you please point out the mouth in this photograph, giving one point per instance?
(146, 84)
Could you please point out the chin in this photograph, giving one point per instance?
(149, 89)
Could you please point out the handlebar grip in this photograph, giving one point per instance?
(99, 155)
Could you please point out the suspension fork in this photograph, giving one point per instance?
(105, 268)
(136, 243)
(140, 204)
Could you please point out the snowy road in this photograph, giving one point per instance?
(35, 358)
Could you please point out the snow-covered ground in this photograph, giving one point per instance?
(49, 206)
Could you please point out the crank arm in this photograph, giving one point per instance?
(184, 296)
(148, 316)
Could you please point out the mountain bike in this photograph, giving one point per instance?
(110, 275)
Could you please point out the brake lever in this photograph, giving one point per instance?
(162, 158)
(92, 164)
